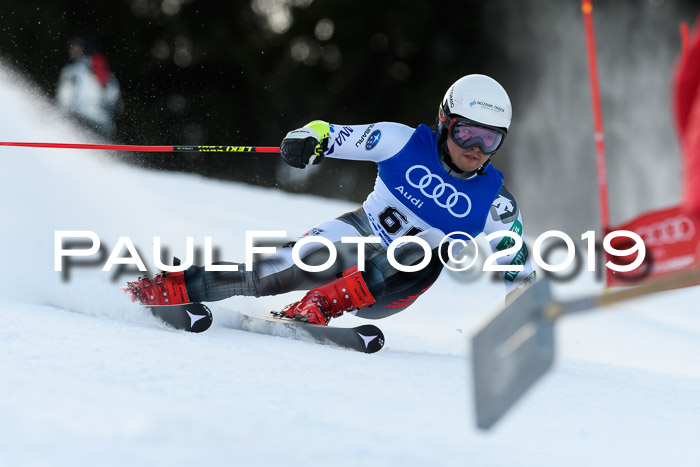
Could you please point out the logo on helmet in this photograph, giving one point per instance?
(489, 106)
(472, 103)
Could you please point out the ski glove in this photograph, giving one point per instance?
(306, 145)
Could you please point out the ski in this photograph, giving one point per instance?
(367, 338)
(191, 317)
(196, 317)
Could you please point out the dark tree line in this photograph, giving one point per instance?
(246, 72)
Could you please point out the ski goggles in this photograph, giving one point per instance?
(466, 134)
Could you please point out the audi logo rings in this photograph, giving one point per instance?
(669, 231)
(438, 190)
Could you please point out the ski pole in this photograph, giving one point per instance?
(122, 147)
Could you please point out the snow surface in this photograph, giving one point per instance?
(86, 378)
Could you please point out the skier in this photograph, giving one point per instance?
(430, 184)
(87, 89)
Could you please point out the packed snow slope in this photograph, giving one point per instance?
(87, 378)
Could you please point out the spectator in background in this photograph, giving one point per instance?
(87, 89)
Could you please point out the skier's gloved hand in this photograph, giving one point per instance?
(306, 145)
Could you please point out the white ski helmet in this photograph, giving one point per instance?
(477, 99)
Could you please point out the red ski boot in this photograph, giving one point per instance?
(166, 288)
(331, 300)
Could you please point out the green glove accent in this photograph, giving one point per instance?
(322, 129)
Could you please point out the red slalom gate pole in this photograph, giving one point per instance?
(587, 8)
(122, 147)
